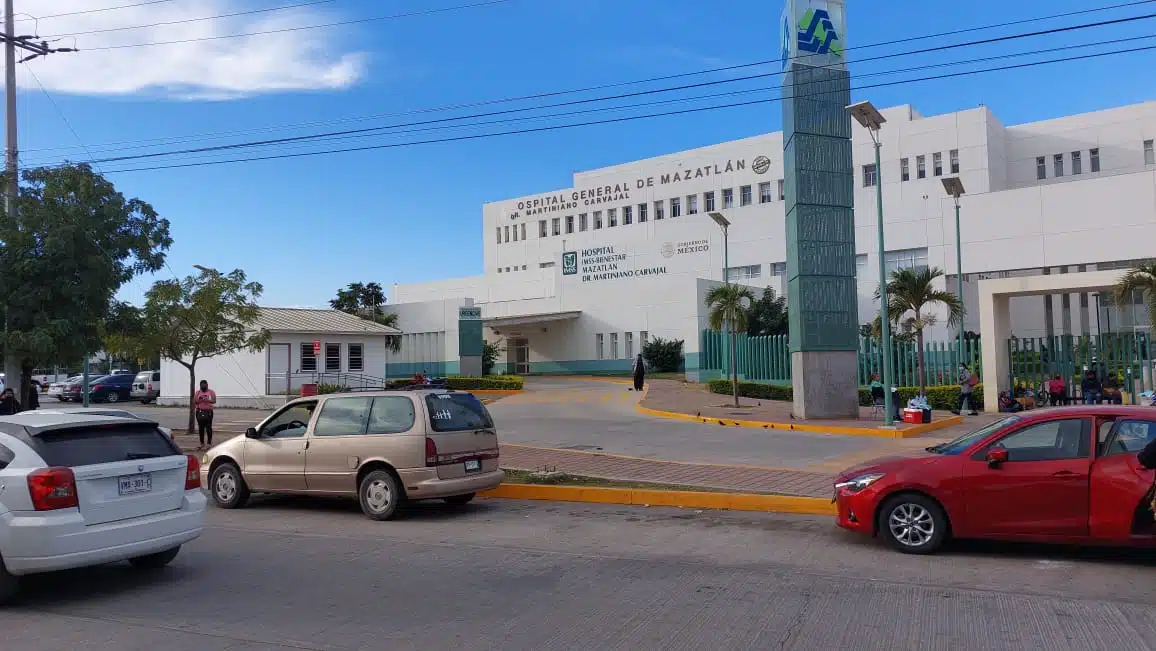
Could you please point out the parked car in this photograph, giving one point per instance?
(85, 490)
(56, 389)
(146, 386)
(384, 448)
(109, 388)
(1057, 475)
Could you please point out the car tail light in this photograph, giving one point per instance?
(96, 387)
(52, 488)
(193, 474)
(431, 453)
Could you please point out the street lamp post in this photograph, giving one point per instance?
(723, 223)
(954, 187)
(871, 119)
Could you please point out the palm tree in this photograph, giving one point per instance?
(729, 306)
(1140, 278)
(913, 291)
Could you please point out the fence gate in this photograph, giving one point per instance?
(1127, 356)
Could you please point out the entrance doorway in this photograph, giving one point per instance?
(518, 355)
(277, 370)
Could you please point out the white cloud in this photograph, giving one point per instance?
(206, 70)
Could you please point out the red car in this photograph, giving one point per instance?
(1060, 475)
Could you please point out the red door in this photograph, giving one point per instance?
(1041, 491)
(1119, 488)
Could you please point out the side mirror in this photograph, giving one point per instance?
(251, 433)
(996, 456)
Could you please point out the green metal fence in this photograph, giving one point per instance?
(768, 359)
(1127, 356)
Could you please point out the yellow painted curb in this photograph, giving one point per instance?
(879, 432)
(648, 497)
(592, 378)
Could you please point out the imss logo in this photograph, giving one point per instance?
(570, 263)
(817, 33)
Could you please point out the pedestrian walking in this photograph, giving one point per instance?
(34, 388)
(8, 403)
(967, 382)
(639, 371)
(203, 401)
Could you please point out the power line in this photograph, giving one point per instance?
(621, 119)
(94, 11)
(366, 130)
(544, 95)
(284, 30)
(195, 20)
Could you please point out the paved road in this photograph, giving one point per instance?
(292, 574)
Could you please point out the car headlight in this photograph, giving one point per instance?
(856, 484)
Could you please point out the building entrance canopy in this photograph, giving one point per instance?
(515, 320)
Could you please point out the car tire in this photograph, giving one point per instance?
(913, 523)
(379, 495)
(9, 585)
(227, 486)
(155, 561)
(113, 396)
(461, 500)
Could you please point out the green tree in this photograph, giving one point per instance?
(72, 244)
(367, 300)
(768, 315)
(201, 317)
(729, 306)
(490, 353)
(911, 294)
(1141, 278)
(123, 335)
(663, 355)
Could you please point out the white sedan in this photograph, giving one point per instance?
(79, 489)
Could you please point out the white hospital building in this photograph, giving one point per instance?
(577, 278)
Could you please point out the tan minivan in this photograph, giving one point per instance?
(384, 447)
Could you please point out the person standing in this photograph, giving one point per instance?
(967, 382)
(639, 371)
(203, 401)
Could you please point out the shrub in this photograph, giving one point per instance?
(941, 397)
(663, 355)
(331, 388)
(490, 382)
(490, 354)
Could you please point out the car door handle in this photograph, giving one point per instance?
(1066, 474)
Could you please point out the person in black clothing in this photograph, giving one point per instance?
(8, 403)
(34, 388)
(639, 373)
(1090, 387)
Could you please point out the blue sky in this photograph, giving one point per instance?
(307, 226)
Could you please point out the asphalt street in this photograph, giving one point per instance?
(499, 574)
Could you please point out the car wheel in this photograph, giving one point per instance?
(113, 396)
(380, 495)
(228, 487)
(459, 500)
(9, 585)
(155, 561)
(913, 523)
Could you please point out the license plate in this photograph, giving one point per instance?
(129, 484)
(473, 465)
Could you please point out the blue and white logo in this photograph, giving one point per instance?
(817, 33)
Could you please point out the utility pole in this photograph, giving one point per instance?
(34, 48)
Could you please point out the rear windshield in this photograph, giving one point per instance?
(92, 445)
(454, 412)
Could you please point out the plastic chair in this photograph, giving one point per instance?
(877, 402)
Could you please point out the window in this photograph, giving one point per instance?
(658, 207)
(343, 417)
(728, 198)
(583, 225)
(1053, 440)
(556, 226)
(457, 412)
(356, 357)
(692, 204)
(905, 259)
(1077, 163)
(515, 229)
(778, 268)
(675, 207)
(749, 272)
(613, 345)
(569, 224)
(782, 190)
(1149, 153)
(1041, 168)
(291, 422)
(953, 160)
(641, 213)
(870, 176)
(542, 265)
(630, 345)
(598, 346)
(91, 446)
(643, 337)
(524, 266)
(523, 231)
(937, 163)
(611, 217)
(332, 358)
(597, 219)
(1094, 156)
(391, 415)
(1058, 165)
(860, 264)
(920, 167)
(627, 217)
(904, 170)
(765, 192)
(1131, 436)
(308, 359)
(745, 195)
(708, 200)
(500, 234)
(542, 228)
(499, 270)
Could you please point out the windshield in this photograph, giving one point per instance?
(967, 440)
